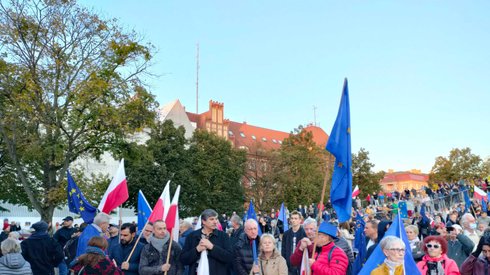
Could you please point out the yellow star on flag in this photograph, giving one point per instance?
(340, 165)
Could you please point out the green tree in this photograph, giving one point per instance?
(300, 170)
(363, 175)
(461, 164)
(69, 87)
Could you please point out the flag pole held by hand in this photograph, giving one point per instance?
(169, 249)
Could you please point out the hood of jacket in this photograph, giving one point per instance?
(13, 260)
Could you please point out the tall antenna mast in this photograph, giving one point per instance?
(314, 115)
(197, 79)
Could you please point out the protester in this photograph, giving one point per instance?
(291, 238)
(147, 231)
(94, 260)
(371, 232)
(62, 236)
(121, 251)
(42, 251)
(154, 255)
(113, 234)
(243, 250)
(5, 231)
(97, 228)
(477, 264)
(414, 241)
(270, 262)
(207, 245)
(469, 225)
(328, 262)
(459, 245)
(185, 229)
(435, 260)
(12, 261)
(236, 224)
(394, 250)
(310, 226)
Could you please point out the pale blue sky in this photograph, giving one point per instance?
(419, 71)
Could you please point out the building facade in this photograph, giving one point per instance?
(399, 181)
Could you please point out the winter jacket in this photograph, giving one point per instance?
(475, 266)
(336, 266)
(14, 263)
(344, 245)
(275, 265)
(287, 248)
(450, 266)
(219, 257)
(235, 236)
(90, 231)
(385, 270)
(297, 256)
(104, 266)
(244, 254)
(63, 235)
(183, 236)
(120, 254)
(42, 252)
(151, 260)
(459, 249)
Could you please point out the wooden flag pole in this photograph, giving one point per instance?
(169, 249)
(319, 217)
(137, 240)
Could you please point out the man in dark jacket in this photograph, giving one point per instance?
(215, 242)
(62, 236)
(120, 252)
(154, 255)
(243, 260)
(459, 246)
(290, 240)
(42, 251)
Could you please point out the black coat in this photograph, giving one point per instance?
(63, 235)
(151, 260)
(219, 257)
(244, 254)
(287, 244)
(120, 253)
(42, 252)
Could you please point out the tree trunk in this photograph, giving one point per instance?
(47, 213)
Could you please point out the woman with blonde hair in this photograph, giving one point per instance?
(94, 261)
(270, 261)
(414, 241)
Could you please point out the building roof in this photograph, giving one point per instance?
(253, 137)
(404, 176)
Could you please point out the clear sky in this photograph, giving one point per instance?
(418, 71)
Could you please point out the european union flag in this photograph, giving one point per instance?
(144, 211)
(252, 215)
(282, 217)
(359, 244)
(425, 219)
(467, 201)
(339, 145)
(484, 206)
(377, 257)
(402, 206)
(77, 202)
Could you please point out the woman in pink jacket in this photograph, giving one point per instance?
(435, 261)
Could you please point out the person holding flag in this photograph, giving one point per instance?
(394, 250)
(331, 260)
(123, 248)
(291, 238)
(246, 249)
(310, 226)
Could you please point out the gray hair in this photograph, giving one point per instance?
(249, 221)
(236, 219)
(186, 224)
(465, 217)
(207, 214)
(310, 221)
(102, 218)
(388, 242)
(10, 245)
(14, 235)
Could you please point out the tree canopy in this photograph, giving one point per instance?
(70, 86)
(461, 164)
(363, 175)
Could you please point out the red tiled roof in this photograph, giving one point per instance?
(243, 134)
(404, 176)
(319, 136)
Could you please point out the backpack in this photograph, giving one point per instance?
(349, 265)
(70, 250)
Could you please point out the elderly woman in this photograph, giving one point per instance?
(270, 261)
(394, 250)
(94, 261)
(478, 264)
(435, 260)
(414, 241)
(12, 262)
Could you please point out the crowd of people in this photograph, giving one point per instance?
(444, 234)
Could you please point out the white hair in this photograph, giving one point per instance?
(251, 221)
(102, 218)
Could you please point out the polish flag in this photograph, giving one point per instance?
(480, 194)
(117, 192)
(172, 219)
(305, 264)
(356, 191)
(161, 207)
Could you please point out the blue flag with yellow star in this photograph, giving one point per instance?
(144, 211)
(77, 202)
(339, 146)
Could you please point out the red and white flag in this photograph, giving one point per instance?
(356, 191)
(480, 194)
(117, 192)
(161, 207)
(305, 264)
(172, 219)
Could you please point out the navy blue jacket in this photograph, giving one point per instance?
(120, 253)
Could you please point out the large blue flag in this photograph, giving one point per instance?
(425, 219)
(377, 257)
(77, 202)
(144, 211)
(359, 244)
(402, 206)
(467, 201)
(283, 218)
(252, 215)
(484, 206)
(339, 145)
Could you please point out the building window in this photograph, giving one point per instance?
(280, 142)
(243, 148)
(230, 133)
(274, 141)
(253, 137)
(264, 139)
(242, 134)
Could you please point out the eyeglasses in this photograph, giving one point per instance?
(399, 250)
(435, 246)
